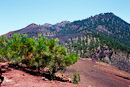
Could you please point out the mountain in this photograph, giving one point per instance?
(56, 27)
(46, 29)
(107, 24)
(103, 37)
(31, 30)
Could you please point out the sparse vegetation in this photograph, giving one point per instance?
(100, 47)
(76, 78)
(87, 48)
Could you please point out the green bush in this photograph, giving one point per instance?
(76, 78)
(36, 52)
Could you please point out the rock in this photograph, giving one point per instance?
(63, 77)
(107, 59)
(70, 80)
(43, 78)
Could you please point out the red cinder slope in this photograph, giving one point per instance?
(17, 78)
(98, 74)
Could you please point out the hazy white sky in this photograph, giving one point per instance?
(16, 14)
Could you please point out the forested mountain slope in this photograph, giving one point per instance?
(100, 47)
(107, 24)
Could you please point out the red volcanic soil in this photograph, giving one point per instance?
(92, 74)
(17, 78)
(98, 74)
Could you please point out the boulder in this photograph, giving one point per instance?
(63, 77)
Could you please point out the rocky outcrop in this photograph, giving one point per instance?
(63, 77)
(103, 54)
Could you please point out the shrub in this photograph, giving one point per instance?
(76, 78)
(36, 52)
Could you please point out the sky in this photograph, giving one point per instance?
(17, 14)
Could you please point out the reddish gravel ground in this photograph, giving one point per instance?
(17, 78)
(92, 74)
(98, 74)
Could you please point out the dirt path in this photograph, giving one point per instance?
(99, 74)
(17, 78)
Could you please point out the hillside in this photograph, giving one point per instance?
(107, 24)
(92, 74)
(17, 78)
(100, 47)
(99, 74)
(103, 37)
